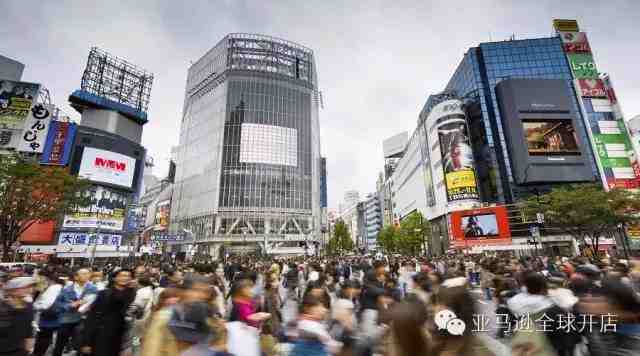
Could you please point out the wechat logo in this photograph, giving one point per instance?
(448, 320)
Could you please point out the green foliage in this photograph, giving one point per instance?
(409, 238)
(31, 193)
(341, 241)
(586, 211)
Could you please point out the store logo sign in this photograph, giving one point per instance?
(110, 164)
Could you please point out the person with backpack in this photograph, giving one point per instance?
(72, 304)
(48, 322)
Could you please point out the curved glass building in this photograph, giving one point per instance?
(248, 160)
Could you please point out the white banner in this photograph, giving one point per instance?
(36, 127)
(107, 167)
(81, 238)
(93, 222)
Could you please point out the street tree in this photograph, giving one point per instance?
(341, 241)
(388, 239)
(415, 231)
(31, 193)
(586, 211)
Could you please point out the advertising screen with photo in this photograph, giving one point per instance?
(107, 167)
(550, 138)
(479, 226)
(457, 161)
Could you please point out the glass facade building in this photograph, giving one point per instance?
(475, 80)
(248, 162)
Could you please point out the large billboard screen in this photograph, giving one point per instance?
(480, 226)
(105, 211)
(269, 144)
(550, 137)
(36, 127)
(457, 161)
(103, 166)
(16, 99)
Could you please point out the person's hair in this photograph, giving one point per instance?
(166, 294)
(535, 282)
(421, 280)
(144, 280)
(378, 264)
(238, 286)
(115, 274)
(408, 321)
(309, 301)
(621, 295)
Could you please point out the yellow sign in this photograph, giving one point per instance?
(461, 179)
(564, 25)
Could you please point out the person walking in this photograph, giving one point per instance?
(48, 322)
(72, 304)
(106, 324)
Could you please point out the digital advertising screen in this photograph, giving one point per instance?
(550, 138)
(107, 167)
(162, 215)
(480, 226)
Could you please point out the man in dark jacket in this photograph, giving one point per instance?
(373, 287)
(106, 326)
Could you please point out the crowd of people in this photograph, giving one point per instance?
(397, 306)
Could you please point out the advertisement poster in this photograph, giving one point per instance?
(550, 138)
(592, 88)
(106, 210)
(107, 167)
(457, 161)
(81, 238)
(582, 66)
(614, 152)
(565, 25)
(36, 127)
(16, 99)
(162, 215)
(57, 147)
(575, 42)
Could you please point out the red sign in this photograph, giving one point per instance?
(109, 163)
(592, 88)
(483, 226)
(39, 233)
(575, 42)
(626, 183)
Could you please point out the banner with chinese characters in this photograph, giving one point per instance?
(57, 148)
(36, 127)
(582, 66)
(592, 88)
(82, 238)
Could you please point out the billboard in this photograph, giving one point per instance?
(562, 25)
(592, 88)
(16, 99)
(36, 127)
(69, 239)
(161, 219)
(480, 226)
(107, 167)
(549, 137)
(105, 211)
(457, 160)
(38, 233)
(57, 147)
(582, 66)
(269, 144)
(575, 42)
